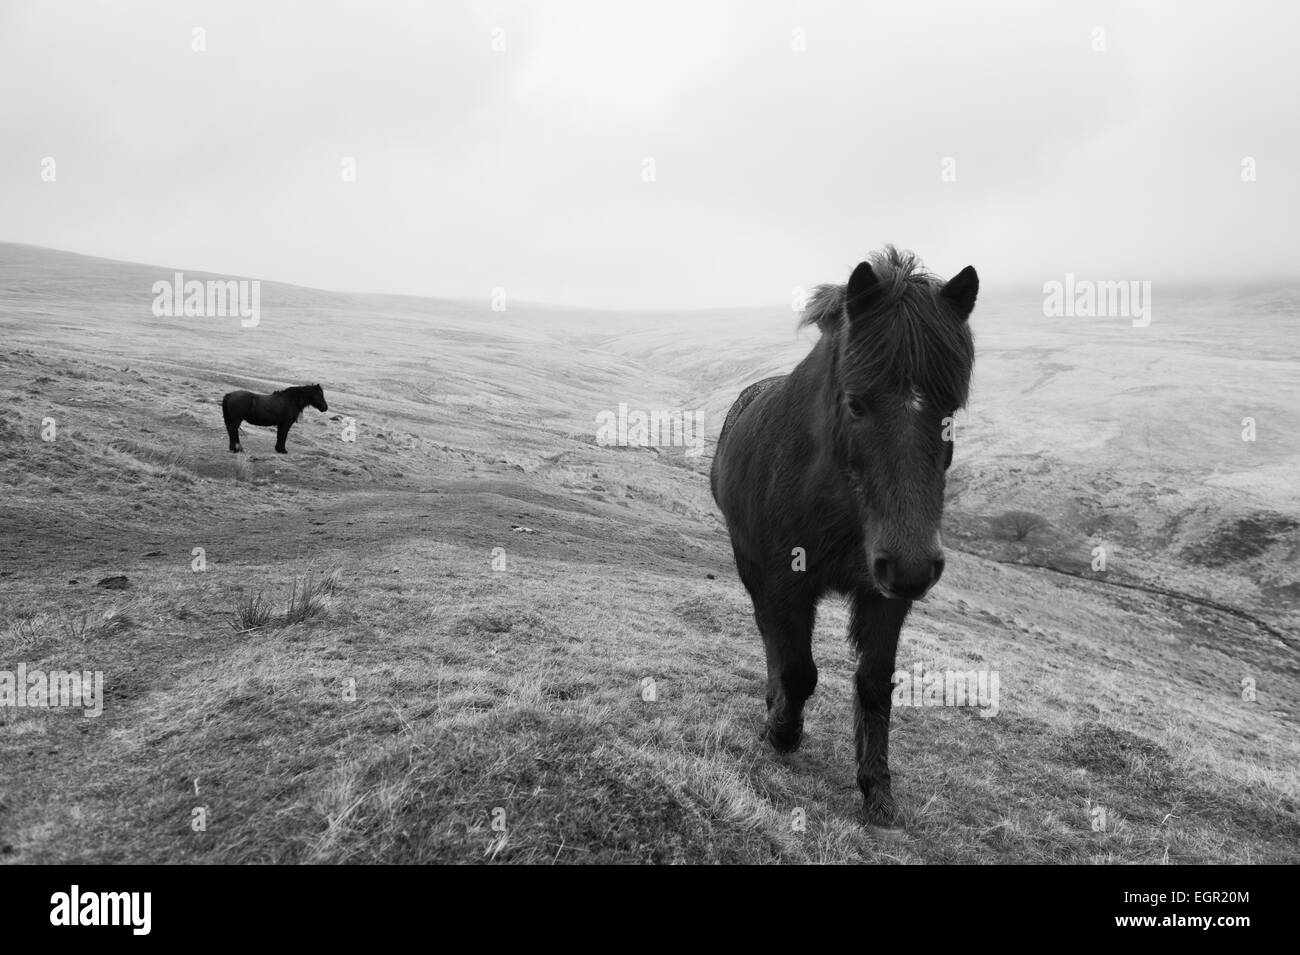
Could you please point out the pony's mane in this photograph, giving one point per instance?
(907, 337)
(299, 393)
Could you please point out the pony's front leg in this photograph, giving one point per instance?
(791, 673)
(281, 432)
(875, 626)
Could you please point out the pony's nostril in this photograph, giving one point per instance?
(936, 570)
(883, 570)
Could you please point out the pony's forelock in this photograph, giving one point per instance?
(897, 273)
(905, 337)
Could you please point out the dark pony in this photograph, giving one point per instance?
(280, 409)
(831, 479)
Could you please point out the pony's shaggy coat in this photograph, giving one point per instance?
(831, 479)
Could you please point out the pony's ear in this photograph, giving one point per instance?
(961, 291)
(862, 283)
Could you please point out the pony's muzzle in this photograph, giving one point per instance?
(906, 579)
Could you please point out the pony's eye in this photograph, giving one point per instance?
(857, 405)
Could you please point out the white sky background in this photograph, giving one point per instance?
(775, 168)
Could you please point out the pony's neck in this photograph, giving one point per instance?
(818, 374)
(814, 386)
(816, 380)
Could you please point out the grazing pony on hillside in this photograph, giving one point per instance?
(831, 479)
(280, 409)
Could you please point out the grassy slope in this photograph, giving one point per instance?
(522, 689)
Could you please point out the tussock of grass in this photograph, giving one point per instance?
(87, 627)
(305, 602)
(253, 612)
(330, 582)
(309, 597)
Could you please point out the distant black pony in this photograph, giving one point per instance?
(281, 409)
(831, 479)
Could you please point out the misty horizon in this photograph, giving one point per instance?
(999, 293)
(688, 157)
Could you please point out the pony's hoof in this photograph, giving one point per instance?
(784, 738)
(881, 816)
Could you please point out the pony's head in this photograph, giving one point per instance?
(902, 357)
(315, 397)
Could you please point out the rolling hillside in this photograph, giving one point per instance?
(521, 646)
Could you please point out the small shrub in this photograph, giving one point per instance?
(1018, 525)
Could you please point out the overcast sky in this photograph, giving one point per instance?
(774, 166)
